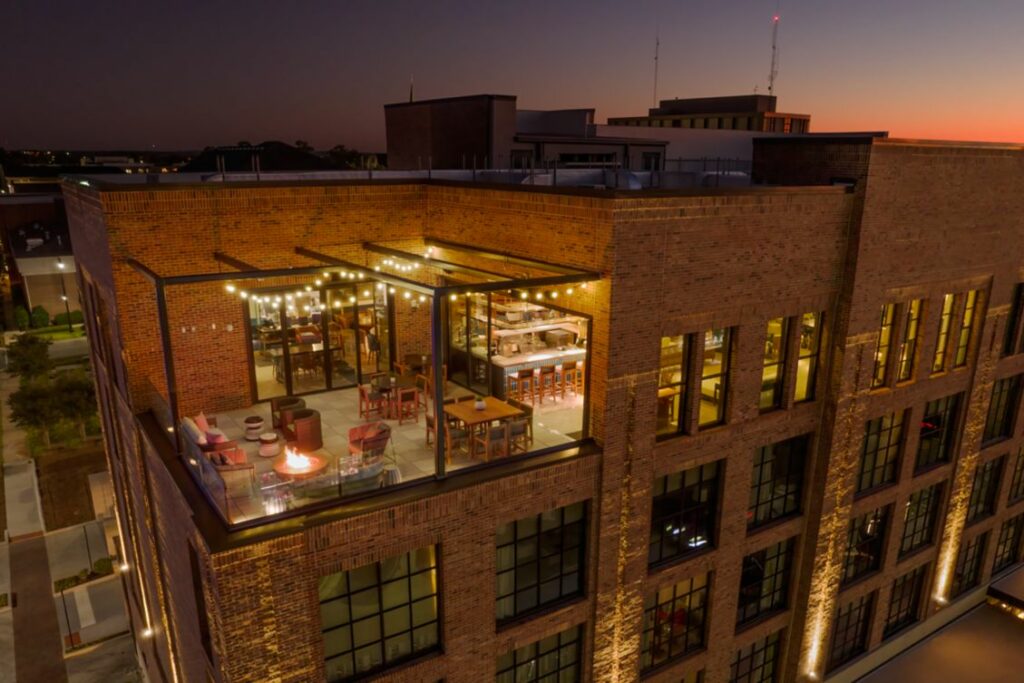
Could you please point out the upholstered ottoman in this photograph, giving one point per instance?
(253, 427)
(270, 446)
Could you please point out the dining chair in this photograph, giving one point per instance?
(423, 387)
(456, 439)
(569, 377)
(407, 405)
(546, 383)
(371, 401)
(495, 441)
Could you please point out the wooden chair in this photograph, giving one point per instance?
(424, 388)
(547, 383)
(280, 403)
(371, 401)
(401, 369)
(431, 423)
(456, 439)
(569, 377)
(520, 429)
(304, 430)
(407, 405)
(495, 441)
(369, 440)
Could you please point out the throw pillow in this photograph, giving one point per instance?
(193, 431)
(202, 422)
(215, 436)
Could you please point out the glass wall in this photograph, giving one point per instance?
(714, 382)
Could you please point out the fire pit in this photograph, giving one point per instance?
(295, 465)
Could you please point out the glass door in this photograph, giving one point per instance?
(374, 330)
(340, 333)
(266, 330)
(458, 355)
(305, 342)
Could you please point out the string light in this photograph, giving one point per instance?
(230, 288)
(453, 297)
(524, 296)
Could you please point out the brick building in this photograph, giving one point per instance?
(736, 112)
(794, 449)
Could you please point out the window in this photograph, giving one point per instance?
(674, 622)
(555, 659)
(984, 490)
(380, 614)
(942, 344)
(919, 519)
(967, 571)
(865, 545)
(1002, 410)
(651, 161)
(758, 662)
(905, 601)
(777, 481)
(878, 376)
(540, 560)
(684, 513)
(764, 582)
(1012, 341)
(672, 383)
(774, 364)
(880, 454)
(963, 341)
(850, 631)
(1008, 544)
(1017, 483)
(807, 358)
(714, 382)
(200, 598)
(908, 346)
(938, 431)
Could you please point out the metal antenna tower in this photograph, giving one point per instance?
(775, 51)
(657, 43)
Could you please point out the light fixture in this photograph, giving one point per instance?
(244, 294)
(288, 297)
(308, 288)
(453, 297)
(351, 300)
(553, 295)
(124, 567)
(366, 292)
(230, 288)
(318, 282)
(147, 632)
(569, 291)
(406, 295)
(422, 298)
(540, 295)
(391, 290)
(337, 303)
(523, 296)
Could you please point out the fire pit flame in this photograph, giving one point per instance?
(297, 462)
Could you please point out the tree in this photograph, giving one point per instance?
(303, 145)
(34, 405)
(29, 357)
(343, 157)
(21, 318)
(75, 397)
(40, 317)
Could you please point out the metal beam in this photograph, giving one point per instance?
(388, 251)
(509, 258)
(232, 261)
(370, 272)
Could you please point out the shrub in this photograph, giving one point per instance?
(21, 318)
(61, 319)
(29, 356)
(40, 317)
(103, 566)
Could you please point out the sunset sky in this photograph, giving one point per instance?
(188, 74)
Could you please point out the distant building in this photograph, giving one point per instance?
(488, 131)
(737, 112)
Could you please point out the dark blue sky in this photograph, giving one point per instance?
(187, 74)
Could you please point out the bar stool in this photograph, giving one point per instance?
(547, 383)
(569, 376)
(520, 385)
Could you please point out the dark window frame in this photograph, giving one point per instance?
(344, 600)
(1000, 422)
(1016, 493)
(866, 538)
(972, 301)
(920, 523)
(535, 563)
(883, 436)
(941, 417)
(676, 402)
(941, 358)
(759, 661)
(685, 609)
(851, 629)
(1012, 341)
(883, 347)
(779, 363)
(781, 557)
(1008, 544)
(791, 457)
(571, 639)
(723, 375)
(812, 356)
(688, 507)
(905, 601)
(967, 569)
(907, 357)
(985, 489)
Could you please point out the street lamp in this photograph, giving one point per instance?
(64, 294)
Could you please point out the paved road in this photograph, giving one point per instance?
(69, 348)
(36, 629)
(112, 661)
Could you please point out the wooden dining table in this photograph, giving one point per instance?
(494, 410)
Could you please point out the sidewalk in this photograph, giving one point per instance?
(36, 629)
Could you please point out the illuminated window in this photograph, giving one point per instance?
(1002, 409)
(380, 614)
(757, 662)
(938, 431)
(1012, 341)
(675, 620)
(881, 367)
(764, 581)
(963, 341)
(714, 382)
(807, 358)
(777, 481)
(865, 544)
(905, 601)
(684, 513)
(540, 560)
(982, 502)
(967, 572)
(919, 519)
(672, 383)
(1008, 544)
(555, 659)
(1017, 483)
(945, 323)
(850, 631)
(908, 346)
(774, 364)
(880, 454)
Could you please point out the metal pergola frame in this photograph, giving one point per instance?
(438, 294)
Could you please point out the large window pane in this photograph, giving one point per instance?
(555, 659)
(865, 545)
(764, 581)
(850, 631)
(758, 662)
(675, 621)
(672, 383)
(880, 452)
(908, 346)
(905, 601)
(714, 385)
(938, 431)
(776, 486)
(881, 363)
(807, 358)
(1002, 409)
(774, 364)
(920, 518)
(942, 344)
(966, 329)
(684, 513)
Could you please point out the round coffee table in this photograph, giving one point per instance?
(253, 427)
(270, 445)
